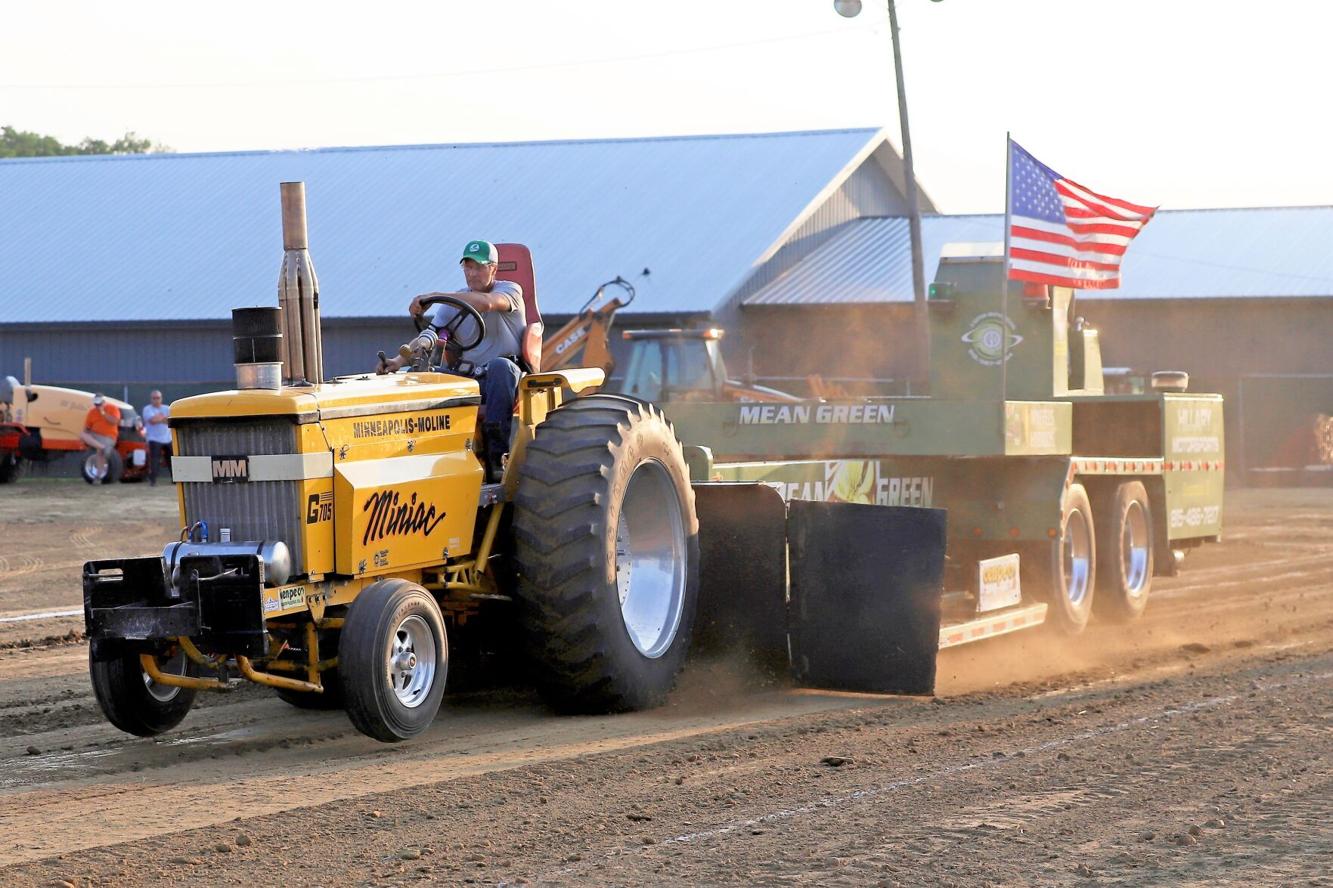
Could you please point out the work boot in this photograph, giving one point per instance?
(497, 445)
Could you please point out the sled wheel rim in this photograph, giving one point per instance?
(1076, 552)
(1134, 549)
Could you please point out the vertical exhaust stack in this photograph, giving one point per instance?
(298, 295)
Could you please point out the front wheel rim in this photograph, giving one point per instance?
(1134, 548)
(173, 665)
(410, 661)
(1076, 553)
(650, 559)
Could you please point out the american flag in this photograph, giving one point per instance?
(1062, 233)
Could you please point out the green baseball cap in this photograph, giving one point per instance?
(481, 251)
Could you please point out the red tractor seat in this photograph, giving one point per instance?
(516, 265)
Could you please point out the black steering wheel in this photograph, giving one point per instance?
(451, 328)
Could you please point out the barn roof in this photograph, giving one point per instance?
(181, 236)
(1182, 254)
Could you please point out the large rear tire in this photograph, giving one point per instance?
(607, 554)
(1066, 568)
(12, 467)
(1125, 553)
(393, 659)
(130, 699)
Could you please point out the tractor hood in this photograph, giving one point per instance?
(343, 397)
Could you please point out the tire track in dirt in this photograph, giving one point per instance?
(289, 759)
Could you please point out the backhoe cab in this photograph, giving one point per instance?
(684, 365)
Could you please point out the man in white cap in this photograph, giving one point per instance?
(101, 428)
(493, 362)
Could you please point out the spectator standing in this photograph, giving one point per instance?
(158, 433)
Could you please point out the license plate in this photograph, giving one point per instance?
(230, 469)
(997, 583)
(139, 458)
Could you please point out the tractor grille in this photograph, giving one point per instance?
(257, 510)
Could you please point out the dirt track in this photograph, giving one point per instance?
(1195, 747)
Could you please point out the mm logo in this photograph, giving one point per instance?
(230, 469)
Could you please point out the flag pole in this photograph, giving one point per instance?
(1004, 287)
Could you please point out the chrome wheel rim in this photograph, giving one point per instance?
(90, 468)
(410, 661)
(651, 560)
(1076, 551)
(174, 665)
(1134, 545)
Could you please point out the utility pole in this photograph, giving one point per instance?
(921, 328)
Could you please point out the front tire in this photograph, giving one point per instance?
(130, 699)
(1066, 567)
(115, 467)
(607, 552)
(1125, 546)
(393, 659)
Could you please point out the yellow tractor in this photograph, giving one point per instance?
(335, 535)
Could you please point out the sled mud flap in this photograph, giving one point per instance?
(865, 596)
(742, 573)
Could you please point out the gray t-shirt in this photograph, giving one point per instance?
(157, 432)
(504, 329)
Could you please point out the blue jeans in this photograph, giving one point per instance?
(499, 390)
(155, 452)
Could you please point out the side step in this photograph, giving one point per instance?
(992, 625)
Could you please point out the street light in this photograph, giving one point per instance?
(850, 9)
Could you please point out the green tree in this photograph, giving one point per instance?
(20, 143)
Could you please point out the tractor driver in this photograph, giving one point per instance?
(493, 362)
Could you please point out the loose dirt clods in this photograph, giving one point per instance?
(1160, 774)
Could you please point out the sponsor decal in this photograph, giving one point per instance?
(405, 425)
(860, 481)
(816, 414)
(1194, 422)
(1196, 444)
(998, 582)
(392, 515)
(1194, 417)
(382, 558)
(1032, 425)
(290, 597)
(319, 507)
(230, 469)
(1195, 517)
(985, 339)
(271, 603)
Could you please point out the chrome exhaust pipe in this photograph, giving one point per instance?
(298, 294)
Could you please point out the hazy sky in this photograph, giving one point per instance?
(1181, 103)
